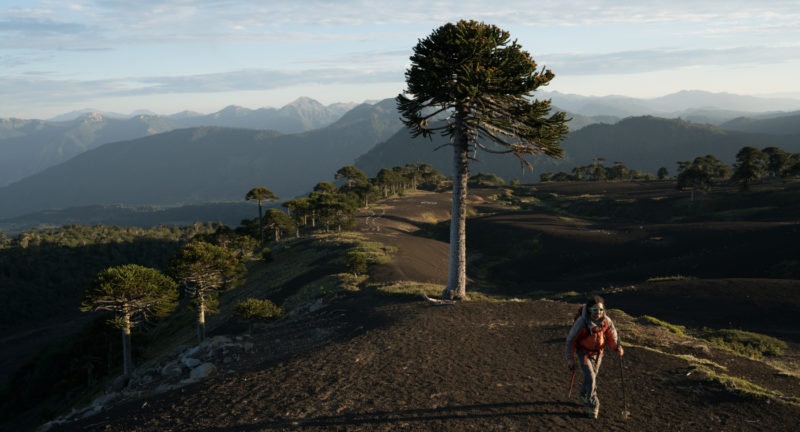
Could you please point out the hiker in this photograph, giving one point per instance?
(591, 333)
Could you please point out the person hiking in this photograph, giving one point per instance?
(591, 333)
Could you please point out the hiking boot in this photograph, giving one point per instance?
(594, 411)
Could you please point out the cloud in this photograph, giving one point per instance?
(630, 62)
(25, 90)
(155, 21)
(36, 27)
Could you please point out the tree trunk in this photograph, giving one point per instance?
(277, 234)
(260, 225)
(457, 277)
(201, 319)
(127, 355)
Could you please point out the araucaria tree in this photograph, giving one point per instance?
(751, 165)
(203, 270)
(132, 293)
(484, 82)
(260, 194)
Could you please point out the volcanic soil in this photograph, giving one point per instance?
(370, 362)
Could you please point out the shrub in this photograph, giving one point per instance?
(252, 310)
(356, 263)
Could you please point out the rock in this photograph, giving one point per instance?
(205, 370)
(317, 305)
(118, 383)
(164, 388)
(192, 351)
(172, 370)
(190, 362)
(249, 347)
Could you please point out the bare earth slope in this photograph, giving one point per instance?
(365, 362)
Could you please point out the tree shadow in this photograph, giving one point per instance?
(462, 412)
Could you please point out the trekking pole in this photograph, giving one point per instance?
(625, 412)
(571, 380)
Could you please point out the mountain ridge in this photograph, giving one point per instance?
(205, 164)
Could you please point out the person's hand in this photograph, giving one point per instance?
(571, 364)
(621, 351)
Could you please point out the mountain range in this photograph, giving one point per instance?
(159, 161)
(645, 143)
(29, 146)
(687, 104)
(204, 164)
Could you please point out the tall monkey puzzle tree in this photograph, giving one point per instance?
(260, 194)
(203, 270)
(485, 83)
(132, 292)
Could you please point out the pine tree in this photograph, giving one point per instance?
(203, 270)
(260, 194)
(132, 292)
(472, 72)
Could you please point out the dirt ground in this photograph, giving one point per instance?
(366, 362)
(392, 365)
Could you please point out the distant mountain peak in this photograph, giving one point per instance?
(92, 117)
(234, 110)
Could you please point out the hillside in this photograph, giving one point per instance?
(30, 146)
(377, 358)
(781, 125)
(643, 143)
(200, 165)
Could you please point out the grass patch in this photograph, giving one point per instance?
(330, 284)
(672, 328)
(409, 289)
(669, 278)
(742, 386)
(744, 343)
(549, 295)
(416, 289)
(747, 388)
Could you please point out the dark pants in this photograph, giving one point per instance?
(591, 367)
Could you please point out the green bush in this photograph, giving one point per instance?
(255, 309)
(356, 263)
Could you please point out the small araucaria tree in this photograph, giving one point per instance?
(203, 270)
(472, 71)
(132, 293)
(260, 194)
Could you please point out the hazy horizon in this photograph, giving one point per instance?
(168, 56)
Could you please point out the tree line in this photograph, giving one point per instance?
(330, 207)
(597, 171)
(752, 165)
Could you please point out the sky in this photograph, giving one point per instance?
(167, 56)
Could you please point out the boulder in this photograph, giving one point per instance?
(172, 370)
(190, 362)
(205, 370)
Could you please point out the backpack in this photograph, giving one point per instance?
(592, 340)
